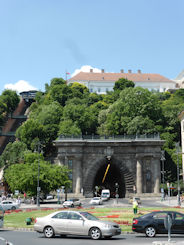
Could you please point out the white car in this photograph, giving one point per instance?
(96, 201)
(9, 205)
(49, 196)
(72, 203)
(75, 223)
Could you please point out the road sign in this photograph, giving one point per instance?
(16, 192)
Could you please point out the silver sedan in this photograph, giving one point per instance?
(75, 223)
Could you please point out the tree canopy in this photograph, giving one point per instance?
(24, 176)
(72, 110)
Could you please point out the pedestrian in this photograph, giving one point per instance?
(19, 200)
(32, 200)
(25, 196)
(135, 206)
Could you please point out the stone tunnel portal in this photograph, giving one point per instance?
(112, 177)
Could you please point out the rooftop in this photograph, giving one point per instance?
(135, 77)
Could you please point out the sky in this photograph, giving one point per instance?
(44, 39)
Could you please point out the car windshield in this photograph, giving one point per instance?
(88, 216)
(96, 198)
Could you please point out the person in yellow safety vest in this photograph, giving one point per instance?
(135, 206)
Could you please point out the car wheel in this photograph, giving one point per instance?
(48, 232)
(95, 233)
(150, 231)
(13, 208)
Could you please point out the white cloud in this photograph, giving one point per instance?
(85, 68)
(20, 86)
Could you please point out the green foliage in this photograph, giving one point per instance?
(3, 111)
(23, 177)
(13, 153)
(11, 99)
(68, 127)
(29, 131)
(123, 83)
(136, 111)
(79, 90)
(8, 103)
(171, 108)
(72, 110)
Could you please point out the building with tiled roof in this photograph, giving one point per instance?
(180, 80)
(102, 82)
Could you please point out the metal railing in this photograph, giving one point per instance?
(155, 136)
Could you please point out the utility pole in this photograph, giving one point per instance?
(178, 175)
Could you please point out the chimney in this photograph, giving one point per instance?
(122, 71)
(129, 71)
(139, 71)
(102, 70)
(91, 70)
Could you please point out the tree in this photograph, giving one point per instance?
(30, 132)
(23, 177)
(136, 111)
(3, 111)
(79, 90)
(11, 99)
(68, 127)
(123, 83)
(13, 153)
(171, 108)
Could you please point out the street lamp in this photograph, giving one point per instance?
(38, 178)
(178, 174)
(117, 195)
(162, 160)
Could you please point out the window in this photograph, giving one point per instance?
(178, 217)
(62, 215)
(74, 216)
(99, 90)
(160, 216)
(70, 164)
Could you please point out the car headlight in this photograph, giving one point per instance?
(107, 226)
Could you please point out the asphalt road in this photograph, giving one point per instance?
(30, 238)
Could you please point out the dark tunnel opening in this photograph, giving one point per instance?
(112, 177)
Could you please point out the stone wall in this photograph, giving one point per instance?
(136, 162)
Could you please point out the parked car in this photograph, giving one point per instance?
(72, 203)
(9, 205)
(131, 199)
(75, 223)
(96, 201)
(153, 223)
(49, 196)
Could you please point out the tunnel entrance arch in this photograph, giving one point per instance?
(131, 160)
(117, 173)
(109, 180)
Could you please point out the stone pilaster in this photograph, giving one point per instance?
(156, 175)
(139, 176)
(77, 175)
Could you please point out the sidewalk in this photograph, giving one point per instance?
(171, 202)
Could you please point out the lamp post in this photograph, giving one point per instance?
(178, 175)
(117, 195)
(163, 171)
(38, 178)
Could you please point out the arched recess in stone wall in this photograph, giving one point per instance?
(126, 175)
